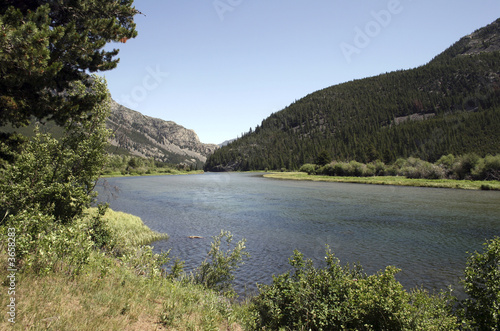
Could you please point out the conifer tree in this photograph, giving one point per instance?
(45, 46)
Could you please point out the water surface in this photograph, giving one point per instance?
(426, 232)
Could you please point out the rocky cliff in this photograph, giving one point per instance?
(145, 136)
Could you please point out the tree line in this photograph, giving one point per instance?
(468, 166)
(136, 165)
(450, 105)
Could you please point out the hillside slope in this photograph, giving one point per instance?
(145, 136)
(450, 105)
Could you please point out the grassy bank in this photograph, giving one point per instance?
(112, 293)
(391, 180)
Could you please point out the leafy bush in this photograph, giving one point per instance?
(327, 170)
(487, 168)
(357, 169)
(308, 168)
(380, 168)
(464, 165)
(482, 285)
(337, 298)
(416, 168)
(100, 231)
(352, 168)
(44, 246)
(50, 183)
(58, 175)
(217, 271)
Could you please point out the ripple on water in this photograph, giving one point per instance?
(425, 232)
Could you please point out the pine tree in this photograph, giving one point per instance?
(45, 46)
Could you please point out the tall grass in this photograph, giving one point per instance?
(109, 294)
(129, 230)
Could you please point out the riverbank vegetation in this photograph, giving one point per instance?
(114, 282)
(390, 180)
(469, 166)
(67, 266)
(467, 172)
(126, 165)
(100, 274)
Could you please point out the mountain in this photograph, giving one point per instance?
(226, 142)
(166, 141)
(450, 105)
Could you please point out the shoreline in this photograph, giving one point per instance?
(390, 180)
(117, 174)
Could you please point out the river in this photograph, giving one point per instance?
(426, 232)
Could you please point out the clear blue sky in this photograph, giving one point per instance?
(220, 67)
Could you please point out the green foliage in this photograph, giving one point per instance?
(309, 168)
(487, 168)
(323, 158)
(469, 166)
(58, 175)
(217, 270)
(49, 184)
(464, 165)
(125, 165)
(99, 230)
(48, 46)
(482, 285)
(450, 105)
(43, 245)
(146, 263)
(344, 298)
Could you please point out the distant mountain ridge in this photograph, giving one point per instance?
(146, 136)
(450, 105)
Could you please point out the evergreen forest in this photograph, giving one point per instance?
(451, 105)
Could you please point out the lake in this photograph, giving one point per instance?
(426, 232)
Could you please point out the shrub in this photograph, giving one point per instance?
(326, 170)
(464, 165)
(416, 168)
(337, 298)
(146, 263)
(482, 285)
(369, 170)
(100, 231)
(308, 168)
(356, 169)
(216, 272)
(57, 176)
(44, 246)
(380, 168)
(487, 168)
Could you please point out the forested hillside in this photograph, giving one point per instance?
(450, 105)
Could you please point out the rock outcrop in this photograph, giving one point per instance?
(162, 140)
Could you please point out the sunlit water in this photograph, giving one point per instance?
(423, 231)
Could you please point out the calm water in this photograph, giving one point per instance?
(425, 232)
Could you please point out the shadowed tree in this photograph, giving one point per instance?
(45, 46)
(323, 158)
